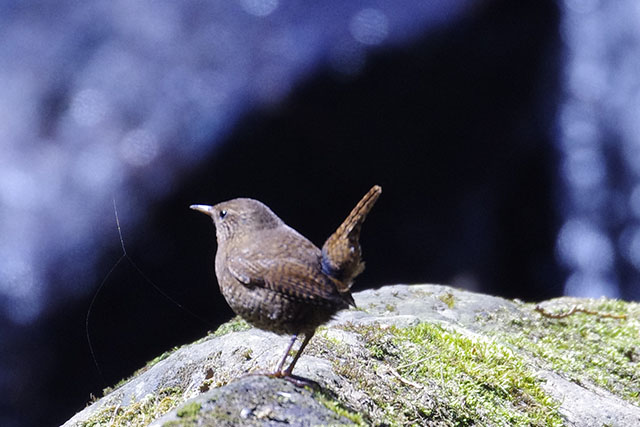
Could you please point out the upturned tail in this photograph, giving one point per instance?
(341, 253)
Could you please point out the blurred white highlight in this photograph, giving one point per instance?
(370, 26)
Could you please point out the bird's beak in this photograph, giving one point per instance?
(206, 209)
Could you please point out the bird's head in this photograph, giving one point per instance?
(239, 217)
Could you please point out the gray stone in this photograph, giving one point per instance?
(369, 373)
(254, 401)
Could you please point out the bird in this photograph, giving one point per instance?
(277, 279)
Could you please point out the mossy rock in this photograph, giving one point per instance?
(409, 355)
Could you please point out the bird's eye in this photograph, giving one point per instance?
(222, 214)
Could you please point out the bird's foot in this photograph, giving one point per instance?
(295, 379)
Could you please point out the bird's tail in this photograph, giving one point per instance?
(341, 253)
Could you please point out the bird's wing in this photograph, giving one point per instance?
(288, 276)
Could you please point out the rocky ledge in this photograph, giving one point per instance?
(420, 354)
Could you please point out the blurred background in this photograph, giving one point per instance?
(505, 135)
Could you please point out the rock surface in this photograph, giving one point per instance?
(424, 354)
(255, 400)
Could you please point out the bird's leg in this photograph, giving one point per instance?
(296, 380)
(307, 338)
(278, 371)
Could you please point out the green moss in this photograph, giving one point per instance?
(448, 299)
(189, 410)
(585, 347)
(247, 354)
(137, 414)
(233, 325)
(338, 408)
(428, 374)
(418, 293)
(496, 384)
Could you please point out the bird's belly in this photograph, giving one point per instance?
(273, 311)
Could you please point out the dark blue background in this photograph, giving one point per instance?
(451, 106)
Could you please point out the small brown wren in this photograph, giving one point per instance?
(275, 278)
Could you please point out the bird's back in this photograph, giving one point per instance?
(273, 278)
